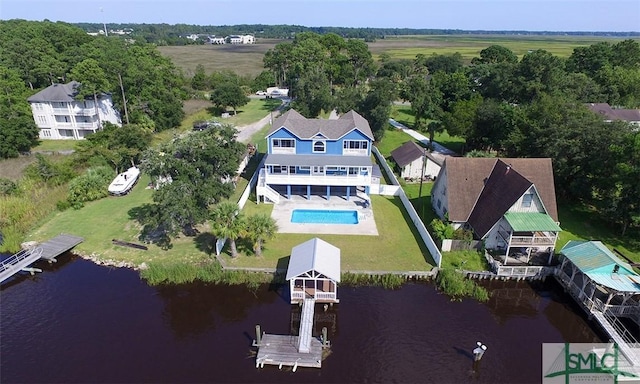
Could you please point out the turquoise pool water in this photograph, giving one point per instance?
(317, 216)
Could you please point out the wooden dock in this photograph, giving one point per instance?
(48, 250)
(292, 351)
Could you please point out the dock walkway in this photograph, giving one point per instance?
(48, 250)
(303, 350)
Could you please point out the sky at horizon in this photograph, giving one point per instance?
(524, 15)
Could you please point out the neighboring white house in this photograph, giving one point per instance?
(216, 40)
(410, 158)
(59, 115)
(508, 203)
(241, 39)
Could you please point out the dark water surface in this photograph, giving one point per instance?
(81, 323)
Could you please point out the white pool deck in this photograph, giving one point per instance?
(283, 209)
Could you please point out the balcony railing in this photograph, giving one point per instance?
(297, 179)
(355, 152)
(534, 240)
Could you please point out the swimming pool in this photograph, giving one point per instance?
(318, 216)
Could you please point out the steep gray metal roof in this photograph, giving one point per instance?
(315, 255)
(56, 92)
(331, 129)
(318, 160)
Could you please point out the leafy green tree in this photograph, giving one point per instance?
(590, 59)
(434, 127)
(376, 106)
(495, 54)
(229, 95)
(538, 72)
(93, 81)
(452, 87)
(313, 94)
(227, 222)
(260, 228)
(119, 147)
(263, 81)
(17, 129)
(626, 54)
(199, 81)
(425, 100)
(444, 63)
(199, 168)
(461, 120)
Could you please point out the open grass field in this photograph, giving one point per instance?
(247, 59)
(469, 46)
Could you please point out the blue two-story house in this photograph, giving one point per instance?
(316, 157)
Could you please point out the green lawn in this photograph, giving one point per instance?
(396, 248)
(55, 145)
(403, 114)
(581, 223)
(110, 218)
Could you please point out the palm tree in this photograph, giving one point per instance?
(226, 222)
(260, 227)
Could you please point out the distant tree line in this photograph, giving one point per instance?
(174, 34)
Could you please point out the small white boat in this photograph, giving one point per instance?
(123, 183)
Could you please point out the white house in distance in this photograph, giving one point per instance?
(216, 40)
(413, 161)
(59, 116)
(241, 39)
(314, 272)
(508, 203)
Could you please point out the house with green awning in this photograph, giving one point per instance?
(508, 203)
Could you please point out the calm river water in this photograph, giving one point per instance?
(81, 323)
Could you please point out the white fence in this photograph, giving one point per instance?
(242, 201)
(415, 218)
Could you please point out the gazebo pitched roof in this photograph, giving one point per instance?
(596, 261)
(315, 255)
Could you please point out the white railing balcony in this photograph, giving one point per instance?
(283, 151)
(325, 295)
(298, 295)
(84, 111)
(63, 111)
(532, 240)
(293, 179)
(87, 125)
(355, 152)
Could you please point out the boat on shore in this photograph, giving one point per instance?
(124, 182)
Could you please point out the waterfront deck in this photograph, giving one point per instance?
(303, 350)
(48, 250)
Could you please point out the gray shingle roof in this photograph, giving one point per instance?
(307, 129)
(609, 113)
(407, 153)
(56, 92)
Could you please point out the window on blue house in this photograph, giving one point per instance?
(319, 146)
(526, 200)
(355, 144)
(284, 143)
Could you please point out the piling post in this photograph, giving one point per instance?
(258, 334)
(325, 342)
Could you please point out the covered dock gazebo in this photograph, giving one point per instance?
(314, 271)
(604, 281)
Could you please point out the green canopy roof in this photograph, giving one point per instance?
(531, 222)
